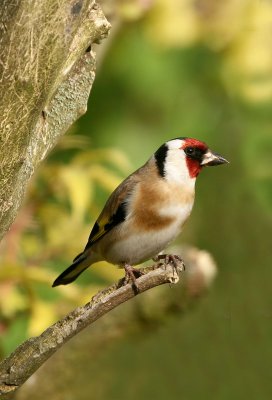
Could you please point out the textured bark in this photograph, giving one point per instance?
(30, 355)
(46, 73)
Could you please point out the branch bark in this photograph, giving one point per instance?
(30, 355)
(46, 73)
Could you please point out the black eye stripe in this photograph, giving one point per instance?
(194, 152)
(189, 150)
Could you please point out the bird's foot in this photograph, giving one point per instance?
(131, 276)
(173, 259)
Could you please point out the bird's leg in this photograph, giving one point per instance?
(131, 275)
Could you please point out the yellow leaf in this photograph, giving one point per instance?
(109, 272)
(113, 156)
(11, 301)
(173, 23)
(79, 189)
(107, 179)
(43, 315)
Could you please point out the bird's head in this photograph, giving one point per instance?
(183, 158)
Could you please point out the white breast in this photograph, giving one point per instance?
(137, 247)
(180, 213)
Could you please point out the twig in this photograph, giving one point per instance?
(31, 354)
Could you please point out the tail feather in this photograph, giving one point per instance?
(79, 265)
(77, 257)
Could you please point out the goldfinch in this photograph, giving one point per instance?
(147, 210)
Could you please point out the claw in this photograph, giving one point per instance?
(174, 259)
(131, 275)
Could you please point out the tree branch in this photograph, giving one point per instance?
(31, 354)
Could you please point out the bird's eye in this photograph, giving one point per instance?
(189, 151)
(195, 153)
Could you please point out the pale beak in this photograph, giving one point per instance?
(210, 159)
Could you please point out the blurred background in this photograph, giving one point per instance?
(198, 68)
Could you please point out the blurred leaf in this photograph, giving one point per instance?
(216, 31)
(72, 141)
(38, 274)
(173, 23)
(79, 190)
(43, 314)
(17, 333)
(109, 272)
(113, 156)
(12, 301)
(31, 245)
(245, 43)
(105, 178)
(133, 9)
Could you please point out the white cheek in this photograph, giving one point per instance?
(176, 169)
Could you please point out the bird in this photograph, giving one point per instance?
(147, 211)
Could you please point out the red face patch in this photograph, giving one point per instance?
(193, 164)
(194, 143)
(193, 167)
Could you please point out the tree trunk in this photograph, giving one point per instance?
(47, 68)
